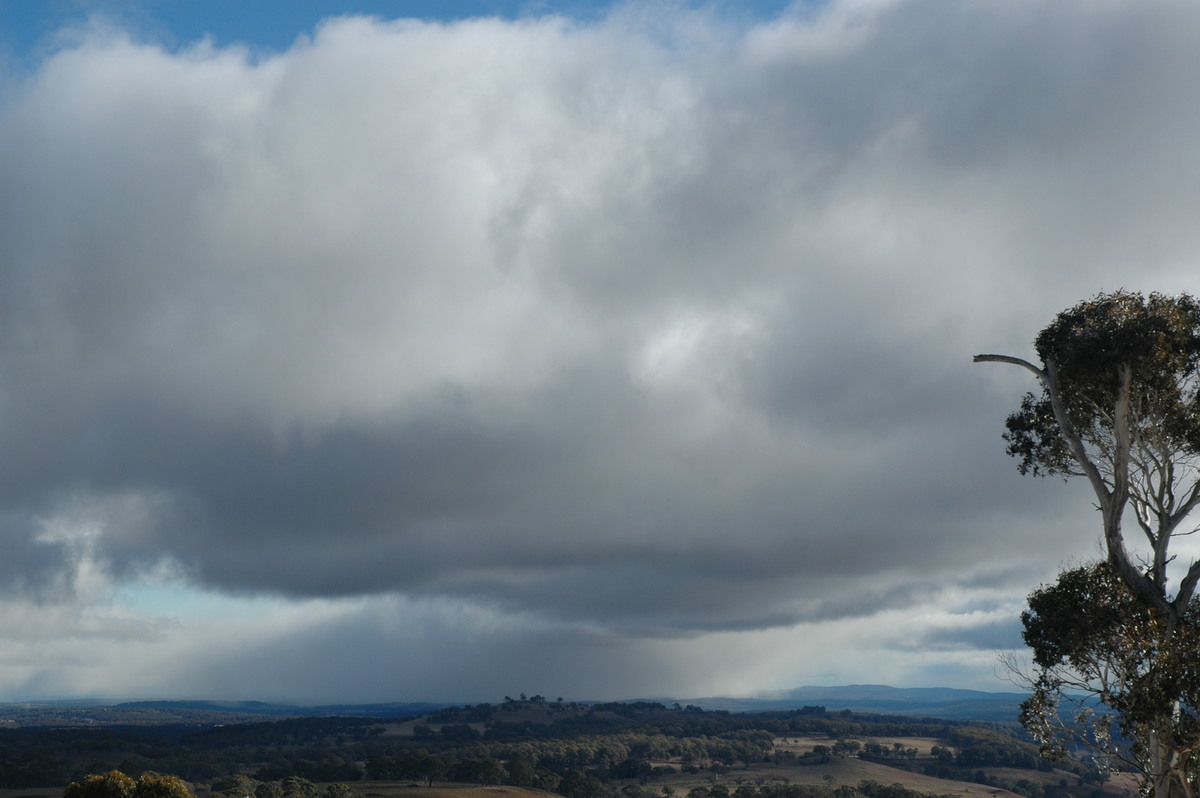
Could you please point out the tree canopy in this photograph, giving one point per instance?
(115, 784)
(1119, 405)
(1092, 639)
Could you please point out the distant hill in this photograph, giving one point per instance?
(389, 710)
(629, 749)
(932, 702)
(194, 713)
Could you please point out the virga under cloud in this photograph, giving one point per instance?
(595, 344)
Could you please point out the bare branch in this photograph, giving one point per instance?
(1016, 361)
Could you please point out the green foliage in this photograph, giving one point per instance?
(484, 770)
(157, 785)
(625, 760)
(298, 787)
(1156, 337)
(1120, 405)
(268, 789)
(1090, 635)
(236, 786)
(978, 747)
(115, 784)
(1083, 619)
(341, 791)
(874, 789)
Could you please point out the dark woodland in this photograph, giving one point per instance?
(607, 750)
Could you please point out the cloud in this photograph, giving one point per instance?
(642, 331)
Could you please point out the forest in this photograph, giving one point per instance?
(602, 750)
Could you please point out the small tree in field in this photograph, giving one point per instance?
(158, 785)
(116, 784)
(113, 784)
(1119, 405)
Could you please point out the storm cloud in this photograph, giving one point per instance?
(632, 334)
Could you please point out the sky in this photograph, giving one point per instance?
(357, 352)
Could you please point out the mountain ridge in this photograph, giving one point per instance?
(947, 703)
(951, 703)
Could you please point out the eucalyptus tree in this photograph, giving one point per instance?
(115, 784)
(1118, 405)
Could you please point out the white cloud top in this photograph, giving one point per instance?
(571, 356)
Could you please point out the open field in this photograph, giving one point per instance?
(388, 789)
(802, 745)
(837, 773)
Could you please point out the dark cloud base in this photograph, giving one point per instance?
(655, 332)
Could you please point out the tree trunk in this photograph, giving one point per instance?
(1170, 777)
(1163, 760)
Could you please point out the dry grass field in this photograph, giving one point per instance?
(837, 773)
(802, 745)
(390, 789)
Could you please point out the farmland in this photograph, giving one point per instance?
(534, 746)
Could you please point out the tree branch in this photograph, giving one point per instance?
(1016, 361)
(1079, 451)
(1112, 501)
(1187, 588)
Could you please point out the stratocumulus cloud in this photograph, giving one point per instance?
(639, 332)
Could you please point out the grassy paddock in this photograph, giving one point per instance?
(842, 772)
(799, 744)
(406, 789)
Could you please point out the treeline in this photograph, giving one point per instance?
(239, 786)
(580, 751)
(557, 764)
(689, 721)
